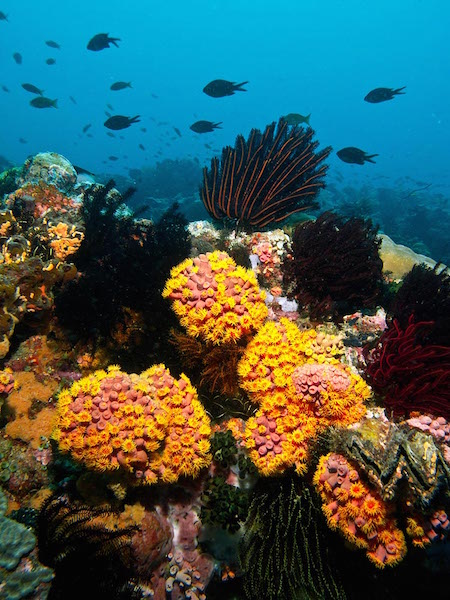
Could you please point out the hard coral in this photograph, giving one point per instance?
(152, 425)
(38, 200)
(215, 299)
(357, 512)
(335, 267)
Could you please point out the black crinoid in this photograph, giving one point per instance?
(90, 560)
(266, 178)
(425, 295)
(123, 263)
(284, 552)
(335, 267)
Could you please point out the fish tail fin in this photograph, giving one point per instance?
(399, 90)
(217, 125)
(238, 86)
(41, 92)
(55, 103)
(129, 84)
(307, 118)
(368, 157)
(114, 41)
(135, 119)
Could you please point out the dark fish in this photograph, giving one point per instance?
(50, 61)
(113, 157)
(154, 96)
(17, 57)
(81, 171)
(143, 129)
(3, 17)
(208, 146)
(355, 156)
(205, 126)
(53, 44)
(5, 89)
(43, 102)
(73, 99)
(177, 131)
(141, 146)
(86, 127)
(220, 88)
(120, 85)
(89, 135)
(110, 106)
(383, 94)
(295, 119)
(29, 87)
(110, 133)
(108, 114)
(120, 122)
(23, 141)
(101, 41)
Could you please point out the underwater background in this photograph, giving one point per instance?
(224, 300)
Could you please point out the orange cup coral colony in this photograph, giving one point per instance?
(357, 512)
(215, 299)
(151, 425)
(301, 388)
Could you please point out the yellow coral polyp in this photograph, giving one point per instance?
(129, 435)
(215, 316)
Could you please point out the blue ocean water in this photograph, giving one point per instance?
(316, 57)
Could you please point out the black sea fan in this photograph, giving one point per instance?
(335, 266)
(265, 178)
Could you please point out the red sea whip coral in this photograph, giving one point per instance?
(412, 375)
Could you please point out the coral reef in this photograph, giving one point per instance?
(138, 486)
(215, 299)
(52, 168)
(265, 178)
(39, 230)
(335, 267)
(152, 426)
